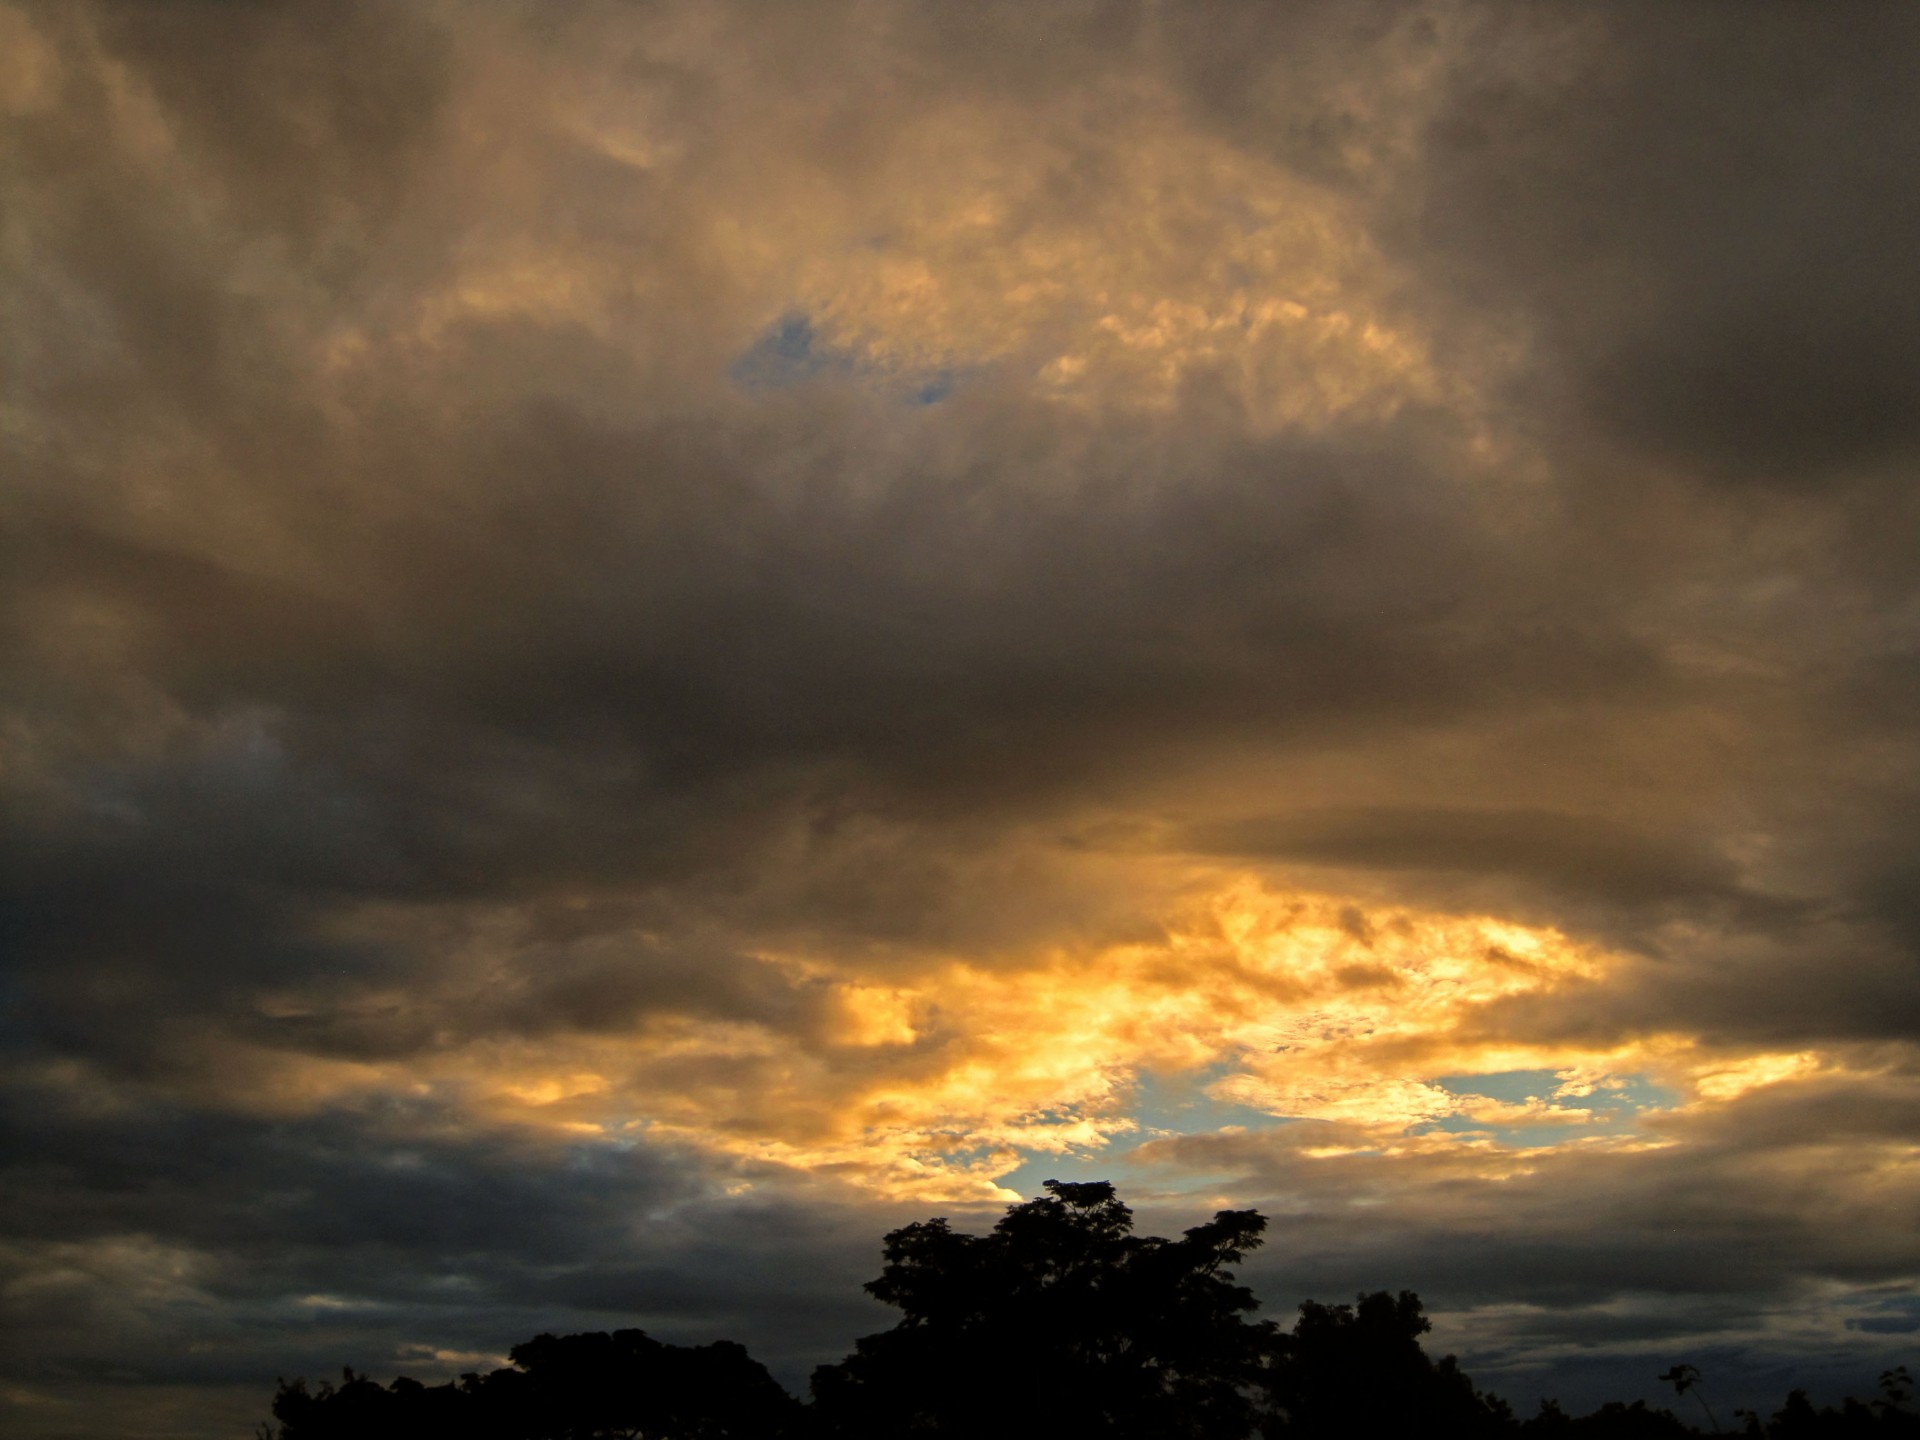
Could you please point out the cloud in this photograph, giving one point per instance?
(1569, 852)
(771, 617)
(1711, 270)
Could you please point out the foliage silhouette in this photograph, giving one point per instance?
(1684, 1377)
(1061, 1321)
(1061, 1317)
(572, 1387)
(1360, 1369)
(1612, 1421)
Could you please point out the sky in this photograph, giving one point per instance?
(642, 640)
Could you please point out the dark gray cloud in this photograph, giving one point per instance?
(1583, 853)
(1700, 224)
(169, 1248)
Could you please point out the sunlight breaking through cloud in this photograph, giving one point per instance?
(640, 641)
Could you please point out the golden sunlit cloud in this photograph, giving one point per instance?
(636, 632)
(935, 1077)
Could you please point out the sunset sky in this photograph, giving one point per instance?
(642, 640)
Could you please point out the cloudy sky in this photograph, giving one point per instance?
(644, 639)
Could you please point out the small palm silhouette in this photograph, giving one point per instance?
(1684, 1377)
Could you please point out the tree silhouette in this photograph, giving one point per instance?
(1612, 1421)
(1684, 1377)
(1896, 1388)
(1360, 1369)
(1059, 1321)
(623, 1386)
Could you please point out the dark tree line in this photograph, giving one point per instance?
(1061, 1322)
(568, 1387)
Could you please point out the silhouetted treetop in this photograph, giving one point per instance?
(1059, 1322)
(623, 1386)
(1061, 1317)
(1360, 1369)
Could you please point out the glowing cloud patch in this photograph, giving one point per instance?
(1255, 1005)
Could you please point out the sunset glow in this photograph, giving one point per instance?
(645, 639)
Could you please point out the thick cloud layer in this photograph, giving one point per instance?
(643, 639)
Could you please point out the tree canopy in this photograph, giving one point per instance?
(623, 1386)
(1058, 1322)
(1060, 1319)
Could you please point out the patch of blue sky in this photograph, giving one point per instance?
(1611, 1106)
(1178, 1104)
(1116, 1163)
(935, 388)
(1629, 1093)
(788, 353)
(792, 352)
(1159, 1105)
(1511, 1086)
(1516, 1137)
(1029, 1177)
